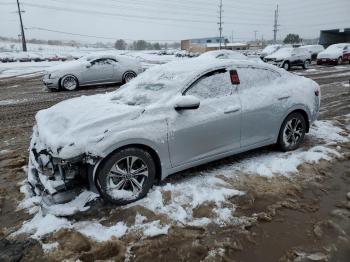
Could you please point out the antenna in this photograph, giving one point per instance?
(24, 44)
(276, 25)
(220, 23)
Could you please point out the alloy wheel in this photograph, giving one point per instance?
(127, 177)
(293, 132)
(69, 83)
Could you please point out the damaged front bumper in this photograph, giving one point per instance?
(59, 181)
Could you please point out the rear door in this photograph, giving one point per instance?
(213, 128)
(263, 105)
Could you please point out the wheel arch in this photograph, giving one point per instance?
(144, 146)
(302, 110)
(60, 79)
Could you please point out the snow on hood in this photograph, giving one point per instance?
(82, 121)
(65, 66)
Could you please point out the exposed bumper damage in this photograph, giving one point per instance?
(58, 181)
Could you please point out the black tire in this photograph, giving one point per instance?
(72, 79)
(340, 61)
(286, 66)
(128, 76)
(306, 64)
(286, 137)
(103, 176)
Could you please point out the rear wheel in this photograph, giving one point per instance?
(69, 83)
(126, 176)
(128, 76)
(286, 66)
(306, 64)
(292, 132)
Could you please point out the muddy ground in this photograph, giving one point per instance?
(282, 219)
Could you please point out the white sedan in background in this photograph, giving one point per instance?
(92, 70)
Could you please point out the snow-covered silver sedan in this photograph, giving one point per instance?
(170, 118)
(92, 70)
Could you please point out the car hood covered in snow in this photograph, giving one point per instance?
(66, 128)
(67, 66)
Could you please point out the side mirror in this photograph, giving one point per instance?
(88, 65)
(186, 103)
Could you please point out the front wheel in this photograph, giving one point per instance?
(69, 83)
(126, 176)
(292, 132)
(340, 61)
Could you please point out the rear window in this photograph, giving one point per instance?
(256, 77)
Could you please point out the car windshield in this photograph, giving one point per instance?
(153, 86)
(284, 51)
(270, 48)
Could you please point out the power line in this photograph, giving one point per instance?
(94, 36)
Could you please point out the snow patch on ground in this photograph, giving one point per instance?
(176, 201)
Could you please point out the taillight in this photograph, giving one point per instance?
(234, 77)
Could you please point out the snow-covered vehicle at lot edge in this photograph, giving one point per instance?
(223, 54)
(288, 57)
(92, 70)
(314, 50)
(335, 54)
(168, 119)
(270, 49)
(6, 57)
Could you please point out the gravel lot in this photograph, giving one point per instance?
(278, 219)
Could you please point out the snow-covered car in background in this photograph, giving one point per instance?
(335, 54)
(288, 57)
(36, 57)
(223, 54)
(314, 50)
(6, 57)
(270, 49)
(172, 117)
(92, 70)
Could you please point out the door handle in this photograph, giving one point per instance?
(231, 110)
(283, 98)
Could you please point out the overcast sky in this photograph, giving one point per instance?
(171, 20)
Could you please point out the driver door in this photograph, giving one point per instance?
(213, 128)
(99, 71)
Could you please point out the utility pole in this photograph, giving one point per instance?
(275, 26)
(255, 31)
(24, 44)
(220, 23)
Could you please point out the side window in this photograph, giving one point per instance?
(212, 85)
(103, 61)
(256, 77)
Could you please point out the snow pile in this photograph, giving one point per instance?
(187, 195)
(273, 163)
